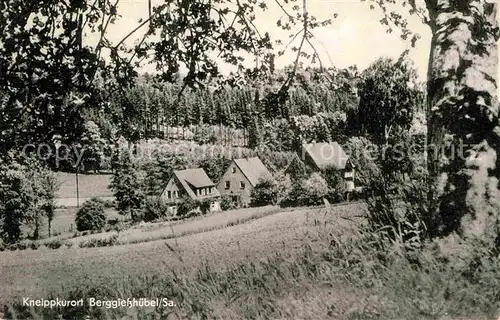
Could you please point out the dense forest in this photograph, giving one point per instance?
(322, 105)
(147, 106)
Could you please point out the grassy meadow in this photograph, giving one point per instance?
(254, 263)
(63, 225)
(145, 232)
(301, 264)
(89, 185)
(33, 272)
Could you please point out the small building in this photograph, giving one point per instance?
(193, 183)
(321, 156)
(241, 177)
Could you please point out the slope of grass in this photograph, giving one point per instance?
(331, 273)
(33, 272)
(63, 224)
(168, 230)
(89, 185)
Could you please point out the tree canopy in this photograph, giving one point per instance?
(389, 98)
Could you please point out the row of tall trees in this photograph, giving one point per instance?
(27, 192)
(149, 106)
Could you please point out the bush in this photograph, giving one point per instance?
(186, 207)
(317, 188)
(154, 209)
(54, 244)
(297, 196)
(364, 155)
(94, 243)
(283, 184)
(91, 215)
(230, 202)
(308, 192)
(401, 214)
(112, 221)
(118, 227)
(336, 184)
(204, 206)
(297, 169)
(108, 204)
(137, 214)
(264, 193)
(11, 246)
(23, 245)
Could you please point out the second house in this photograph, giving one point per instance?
(241, 177)
(193, 183)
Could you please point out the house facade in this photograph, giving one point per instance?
(241, 177)
(321, 156)
(193, 183)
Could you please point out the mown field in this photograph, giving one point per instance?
(170, 229)
(36, 272)
(89, 185)
(63, 225)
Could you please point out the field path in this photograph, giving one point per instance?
(33, 272)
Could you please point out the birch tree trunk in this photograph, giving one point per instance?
(463, 110)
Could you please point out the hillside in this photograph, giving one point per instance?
(32, 272)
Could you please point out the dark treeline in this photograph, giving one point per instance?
(148, 106)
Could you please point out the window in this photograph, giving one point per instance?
(203, 192)
(348, 174)
(234, 169)
(228, 185)
(169, 194)
(242, 185)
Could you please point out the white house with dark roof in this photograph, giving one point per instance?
(241, 177)
(193, 183)
(321, 156)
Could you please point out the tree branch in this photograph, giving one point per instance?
(293, 39)
(134, 30)
(103, 31)
(284, 10)
(324, 47)
(419, 12)
(145, 34)
(315, 53)
(291, 77)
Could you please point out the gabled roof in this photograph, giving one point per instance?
(326, 154)
(252, 169)
(196, 178)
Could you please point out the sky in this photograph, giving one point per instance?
(355, 38)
